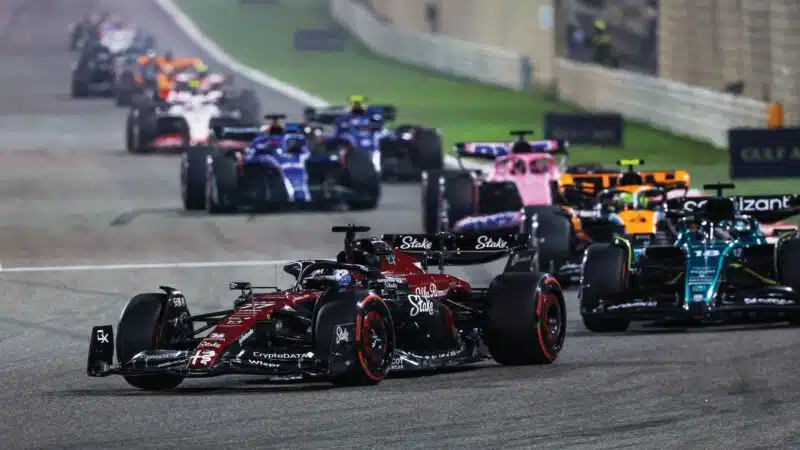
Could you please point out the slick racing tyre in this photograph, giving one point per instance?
(194, 174)
(80, 87)
(223, 182)
(428, 153)
(362, 178)
(459, 197)
(551, 233)
(124, 91)
(431, 201)
(526, 319)
(140, 329)
(139, 129)
(370, 333)
(788, 265)
(605, 273)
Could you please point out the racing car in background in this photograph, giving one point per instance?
(400, 154)
(101, 60)
(183, 121)
(721, 268)
(520, 193)
(352, 320)
(279, 168)
(630, 203)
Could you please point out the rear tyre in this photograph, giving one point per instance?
(526, 319)
(373, 342)
(138, 330)
(552, 234)
(362, 178)
(431, 201)
(604, 275)
(789, 270)
(80, 88)
(459, 197)
(194, 175)
(428, 147)
(223, 181)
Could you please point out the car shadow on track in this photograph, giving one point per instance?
(651, 329)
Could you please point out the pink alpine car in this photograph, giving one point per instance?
(525, 173)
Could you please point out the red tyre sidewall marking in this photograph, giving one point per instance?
(359, 322)
(542, 299)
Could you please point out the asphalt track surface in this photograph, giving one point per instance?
(69, 195)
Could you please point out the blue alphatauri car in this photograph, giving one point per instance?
(721, 268)
(281, 166)
(402, 153)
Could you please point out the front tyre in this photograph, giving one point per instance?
(222, 184)
(193, 179)
(604, 275)
(139, 330)
(788, 264)
(526, 319)
(373, 341)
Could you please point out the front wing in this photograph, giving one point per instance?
(763, 304)
(279, 364)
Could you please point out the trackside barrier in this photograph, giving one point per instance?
(682, 109)
(483, 63)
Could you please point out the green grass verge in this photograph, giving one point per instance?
(261, 36)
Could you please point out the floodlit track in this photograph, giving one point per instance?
(70, 197)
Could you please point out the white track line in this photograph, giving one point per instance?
(143, 266)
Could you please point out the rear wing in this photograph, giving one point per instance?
(328, 115)
(592, 183)
(248, 134)
(492, 150)
(241, 134)
(463, 249)
(764, 208)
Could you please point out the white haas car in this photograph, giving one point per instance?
(185, 120)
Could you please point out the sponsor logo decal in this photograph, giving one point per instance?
(244, 337)
(255, 362)
(202, 357)
(342, 335)
(177, 300)
(517, 258)
(162, 356)
(485, 242)
(102, 337)
(412, 243)
(636, 304)
(767, 301)
(420, 305)
(286, 356)
(746, 205)
(211, 345)
(429, 291)
(216, 337)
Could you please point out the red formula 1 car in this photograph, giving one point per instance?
(373, 310)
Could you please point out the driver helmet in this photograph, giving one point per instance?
(183, 82)
(623, 201)
(272, 129)
(294, 145)
(201, 69)
(540, 165)
(357, 105)
(327, 278)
